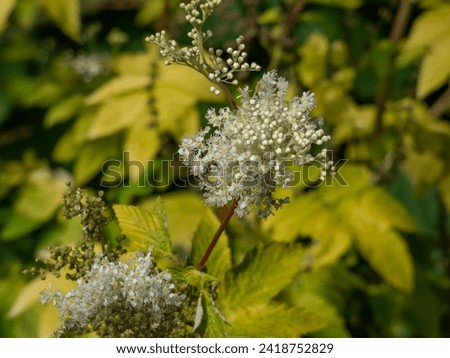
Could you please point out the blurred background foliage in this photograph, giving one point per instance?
(78, 87)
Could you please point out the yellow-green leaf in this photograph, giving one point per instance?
(286, 224)
(142, 143)
(209, 321)
(328, 245)
(31, 292)
(423, 168)
(92, 157)
(118, 113)
(146, 231)
(149, 12)
(6, 7)
(431, 26)
(48, 322)
(70, 144)
(386, 210)
(135, 63)
(18, 226)
(185, 209)
(262, 275)
(41, 195)
(312, 66)
(63, 110)
(435, 69)
(117, 87)
(273, 320)
(66, 14)
(384, 249)
(220, 260)
(322, 308)
(11, 175)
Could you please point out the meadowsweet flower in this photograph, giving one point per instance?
(251, 150)
(118, 299)
(219, 66)
(89, 66)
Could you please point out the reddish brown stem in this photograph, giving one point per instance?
(216, 237)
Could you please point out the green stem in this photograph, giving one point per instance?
(216, 237)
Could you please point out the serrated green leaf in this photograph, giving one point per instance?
(209, 321)
(118, 86)
(92, 157)
(435, 69)
(220, 260)
(146, 231)
(262, 275)
(325, 310)
(273, 320)
(66, 14)
(6, 7)
(63, 110)
(185, 210)
(118, 113)
(192, 276)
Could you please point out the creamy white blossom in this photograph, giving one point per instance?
(217, 65)
(251, 150)
(120, 299)
(89, 66)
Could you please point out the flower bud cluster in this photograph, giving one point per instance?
(119, 299)
(217, 65)
(245, 158)
(90, 209)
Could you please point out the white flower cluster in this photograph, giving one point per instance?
(253, 149)
(118, 299)
(89, 66)
(217, 69)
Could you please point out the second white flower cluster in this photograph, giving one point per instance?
(245, 157)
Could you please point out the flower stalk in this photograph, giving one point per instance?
(217, 235)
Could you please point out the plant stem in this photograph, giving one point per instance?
(439, 107)
(229, 95)
(216, 237)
